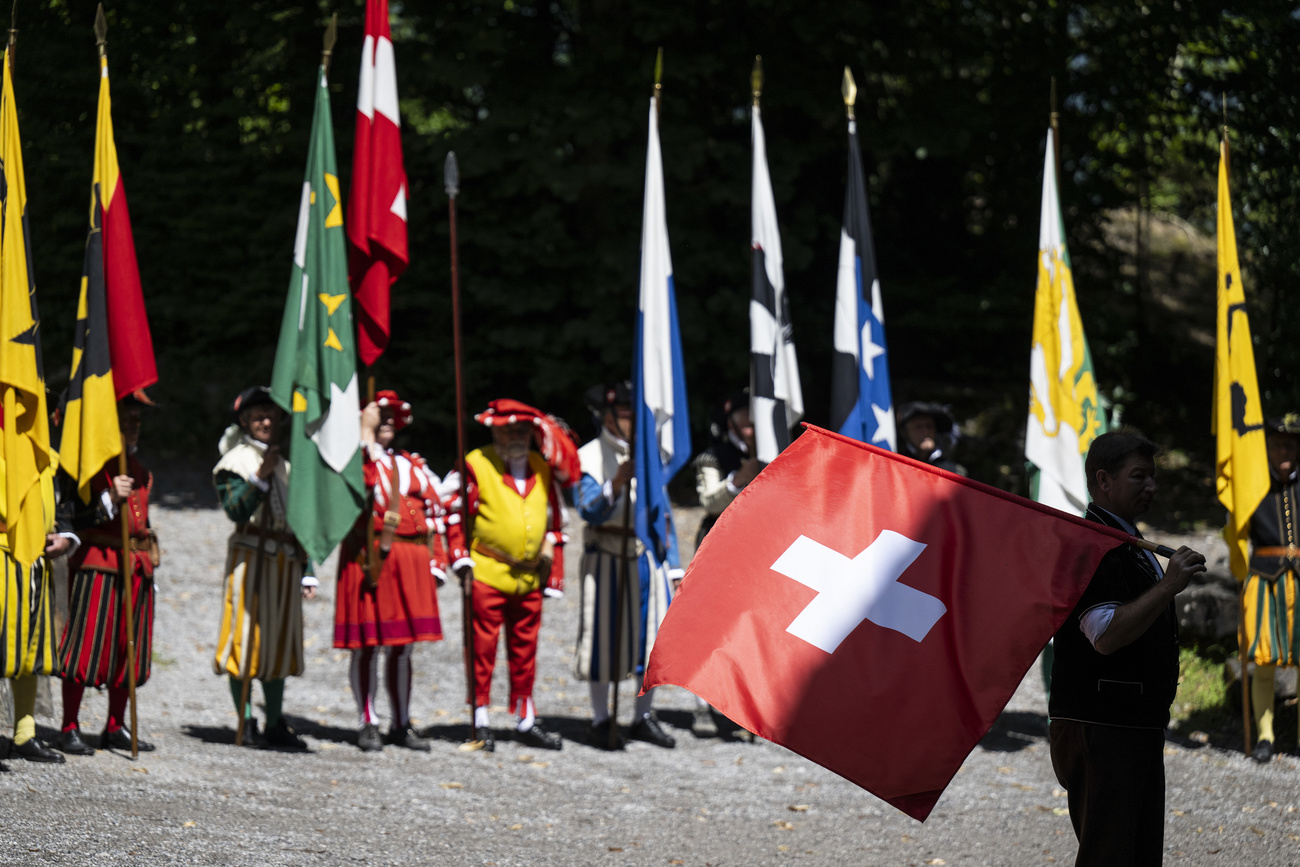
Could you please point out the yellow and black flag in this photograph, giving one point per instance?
(26, 438)
(1241, 460)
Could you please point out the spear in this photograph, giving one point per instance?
(451, 174)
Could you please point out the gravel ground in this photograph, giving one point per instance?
(201, 800)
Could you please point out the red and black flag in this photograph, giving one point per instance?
(112, 354)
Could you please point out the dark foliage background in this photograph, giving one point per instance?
(545, 104)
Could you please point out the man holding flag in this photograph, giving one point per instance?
(656, 432)
(111, 592)
(862, 406)
(1242, 470)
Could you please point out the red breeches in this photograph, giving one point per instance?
(522, 618)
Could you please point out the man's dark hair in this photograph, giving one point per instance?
(1111, 451)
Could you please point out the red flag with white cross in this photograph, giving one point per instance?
(376, 223)
(873, 613)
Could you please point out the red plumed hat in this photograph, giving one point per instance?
(555, 438)
(402, 415)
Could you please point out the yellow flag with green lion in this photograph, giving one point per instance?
(26, 423)
(1241, 461)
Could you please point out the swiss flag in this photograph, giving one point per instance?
(872, 613)
(376, 223)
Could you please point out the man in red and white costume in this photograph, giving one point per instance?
(400, 608)
(514, 553)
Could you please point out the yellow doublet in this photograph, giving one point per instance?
(507, 522)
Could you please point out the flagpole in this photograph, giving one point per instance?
(451, 175)
(126, 558)
(1242, 657)
(1054, 119)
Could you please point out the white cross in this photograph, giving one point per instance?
(864, 588)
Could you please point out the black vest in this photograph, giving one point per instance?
(1135, 685)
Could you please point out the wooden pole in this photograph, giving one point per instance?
(451, 173)
(246, 651)
(126, 564)
(620, 583)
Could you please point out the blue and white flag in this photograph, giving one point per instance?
(862, 405)
(775, 392)
(662, 443)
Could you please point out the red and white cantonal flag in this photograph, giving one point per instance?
(376, 223)
(872, 613)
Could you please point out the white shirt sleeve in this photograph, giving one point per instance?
(1096, 620)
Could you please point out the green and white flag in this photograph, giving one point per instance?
(315, 377)
(1065, 413)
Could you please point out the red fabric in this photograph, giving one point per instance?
(402, 415)
(522, 618)
(1007, 571)
(376, 221)
(103, 557)
(130, 343)
(506, 410)
(401, 610)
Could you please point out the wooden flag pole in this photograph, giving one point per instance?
(620, 583)
(126, 565)
(451, 174)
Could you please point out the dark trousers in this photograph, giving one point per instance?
(1115, 778)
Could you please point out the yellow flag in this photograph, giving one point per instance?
(1241, 462)
(26, 424)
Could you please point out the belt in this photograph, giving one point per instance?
(1278, 551)
(421, 539)
(111, 540)
(274, 535)
(502, 557)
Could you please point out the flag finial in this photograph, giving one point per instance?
(849, 90)
(451, 174)
(659, 74)
(101, 30)
(331, 36)
(1224, 96)
(13, 28)
(756, 78)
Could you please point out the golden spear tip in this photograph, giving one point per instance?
(756, 78)
(331, 36)
(101, 29)
(849, 90)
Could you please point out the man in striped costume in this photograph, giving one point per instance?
(27, 639)
(395, 604)
(267, 573)
(513, 553)
(94, 647)
(602, 657)
(1270, 595)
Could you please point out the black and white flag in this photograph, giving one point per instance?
(775, 393)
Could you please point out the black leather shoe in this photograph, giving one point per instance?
(35, 751)
(369, 740)
(406, 737)
(253, 737)
(483, 735)
(120, 739)
(648, 729)
(283, 736)
(598, 736)
(540, 738)
(1263, 752)
(70, 742)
